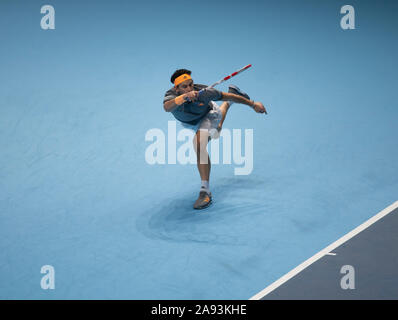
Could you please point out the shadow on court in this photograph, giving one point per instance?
(176, 220)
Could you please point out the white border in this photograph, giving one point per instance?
(324, 252)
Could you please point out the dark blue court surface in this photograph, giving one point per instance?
(363, 266)
(78, 103)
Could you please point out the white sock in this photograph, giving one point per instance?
(205, 186)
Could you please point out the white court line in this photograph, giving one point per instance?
(325, 251)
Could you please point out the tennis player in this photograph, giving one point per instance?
(193, 105)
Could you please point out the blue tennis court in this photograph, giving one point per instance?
(76, 104)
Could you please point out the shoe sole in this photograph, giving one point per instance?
(237, 91)
(204, 207)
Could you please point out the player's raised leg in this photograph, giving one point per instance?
(226, 104)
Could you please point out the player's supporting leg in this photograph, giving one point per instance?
(204, 165)
(203, 160)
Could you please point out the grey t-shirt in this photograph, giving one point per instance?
(193, 112)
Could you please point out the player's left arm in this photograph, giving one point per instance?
(257, 106)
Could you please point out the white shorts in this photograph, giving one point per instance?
(209, 122)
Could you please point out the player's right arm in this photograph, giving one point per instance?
(172, 104)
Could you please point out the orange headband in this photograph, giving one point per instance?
(181, 78)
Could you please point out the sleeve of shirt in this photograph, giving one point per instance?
(170, 95)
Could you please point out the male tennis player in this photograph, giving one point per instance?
(198, 111)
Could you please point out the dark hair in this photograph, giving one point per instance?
(179, 72)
